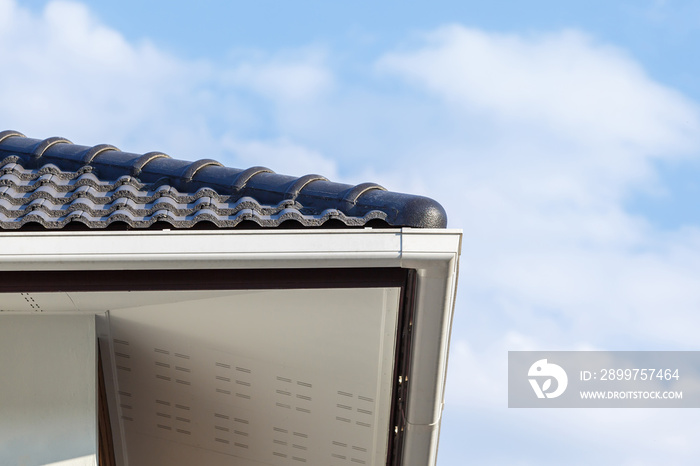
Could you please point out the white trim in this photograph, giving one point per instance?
(222, 249)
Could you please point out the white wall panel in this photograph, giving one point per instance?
(47, 389)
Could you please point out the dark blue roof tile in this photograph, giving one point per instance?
(53, 182)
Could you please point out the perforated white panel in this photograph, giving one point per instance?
(257, 377)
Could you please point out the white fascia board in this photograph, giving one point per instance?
(166, 249)
(199, 249)
(432, 253)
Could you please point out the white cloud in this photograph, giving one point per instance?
(567, 130)
(564, 81)
(285, 78)
(574, 127)
(67, 73)
(282, 156)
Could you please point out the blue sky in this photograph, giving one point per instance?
(562, 137)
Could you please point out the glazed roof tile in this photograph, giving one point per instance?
(56, 184)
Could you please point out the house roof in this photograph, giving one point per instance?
(54, 184)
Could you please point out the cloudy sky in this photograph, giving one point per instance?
(562, 137)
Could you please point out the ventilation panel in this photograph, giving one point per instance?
(274, 377)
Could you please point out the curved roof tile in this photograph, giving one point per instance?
(53, 182)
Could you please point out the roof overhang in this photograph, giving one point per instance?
(432, 254)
